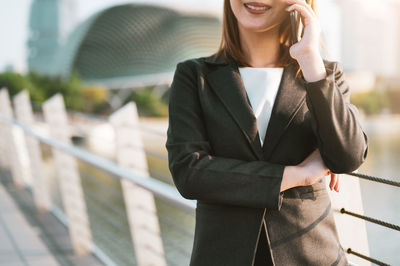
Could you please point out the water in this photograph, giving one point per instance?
(379, 200)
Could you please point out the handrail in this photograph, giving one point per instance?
(158, 188)
(370, 219)
(376, 179)
(378, 262)
(103, 119)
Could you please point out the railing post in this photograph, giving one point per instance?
(5, 137)
(352, 231)
(15, 157)
(140, 205)
(68, 177)
(24, 114)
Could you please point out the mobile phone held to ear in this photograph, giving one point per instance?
(294, 25)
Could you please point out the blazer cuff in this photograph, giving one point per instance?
(279, 192)
(274, 195)
(317, 89)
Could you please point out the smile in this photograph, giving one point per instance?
(256, 8)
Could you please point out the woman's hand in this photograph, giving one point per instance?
(314, 169)
(309, 43)
(306, 51)
(306, 173)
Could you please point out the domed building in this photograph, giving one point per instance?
(133, 45)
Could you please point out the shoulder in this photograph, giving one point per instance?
(189, 66)
(206, 61)
(187, 72)
(194, 62)
(190, 62)
(197, 66)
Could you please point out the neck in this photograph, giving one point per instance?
(261, 48)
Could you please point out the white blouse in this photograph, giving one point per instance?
(261, 85)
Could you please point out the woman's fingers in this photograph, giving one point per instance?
(334, 184)
(310, 39)
(302, 3)
(305, 14)
(337, 183)
(333, 181)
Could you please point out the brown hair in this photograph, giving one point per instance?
(230, 40)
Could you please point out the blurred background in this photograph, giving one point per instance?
(103, 54)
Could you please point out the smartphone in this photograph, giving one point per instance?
(294, 25)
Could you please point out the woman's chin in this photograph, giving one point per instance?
(254, 27)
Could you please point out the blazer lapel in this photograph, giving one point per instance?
(227, 83)
(290, 97)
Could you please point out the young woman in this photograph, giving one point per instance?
(253, 131)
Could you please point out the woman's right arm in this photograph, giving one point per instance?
(200, 175)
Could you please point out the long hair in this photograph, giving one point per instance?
(230, 39)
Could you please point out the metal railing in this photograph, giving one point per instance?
(158, 188)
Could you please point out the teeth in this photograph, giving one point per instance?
(257, 7)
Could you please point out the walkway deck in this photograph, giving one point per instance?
(28, 237)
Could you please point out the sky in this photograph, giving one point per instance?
(14, 19)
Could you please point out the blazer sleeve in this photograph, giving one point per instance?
(200, 175)
(342, 142)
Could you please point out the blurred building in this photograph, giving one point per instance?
(50, 22)
(364, 36)
(124, 46)
(370, 36)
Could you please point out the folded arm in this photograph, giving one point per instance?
(341, 140)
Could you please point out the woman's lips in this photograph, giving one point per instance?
(256, 8)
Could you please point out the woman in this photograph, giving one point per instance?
(261, 194)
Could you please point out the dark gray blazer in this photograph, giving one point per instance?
(216, 158)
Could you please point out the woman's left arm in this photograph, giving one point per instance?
(342, 142)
